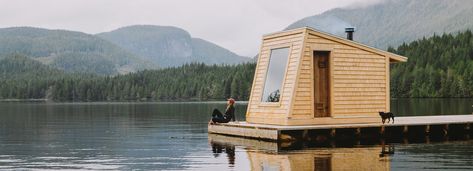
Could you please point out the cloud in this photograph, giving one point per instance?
(363, 4)
(237, 25)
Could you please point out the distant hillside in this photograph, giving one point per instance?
(170, 46)
(18, 67)
(392, 22)
(69, 51)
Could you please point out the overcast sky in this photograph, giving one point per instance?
(236, 25)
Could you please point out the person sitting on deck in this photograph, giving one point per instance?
(218, 117)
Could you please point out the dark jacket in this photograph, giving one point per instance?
(230, 113)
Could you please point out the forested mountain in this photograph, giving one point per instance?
(440, 66)
(130, 49)
(170, 46)
(392, 22)
(69, 51)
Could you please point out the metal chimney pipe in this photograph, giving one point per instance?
(349, 31)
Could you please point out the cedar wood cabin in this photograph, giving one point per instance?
(307, 77)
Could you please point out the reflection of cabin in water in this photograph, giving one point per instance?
(305, 77)
(264, 155)
(320, 159)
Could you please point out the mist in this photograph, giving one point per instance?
(235, 25)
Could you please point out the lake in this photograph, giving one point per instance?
(173, 136)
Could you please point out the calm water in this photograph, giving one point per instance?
(173, 136)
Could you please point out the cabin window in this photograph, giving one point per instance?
(275, 75)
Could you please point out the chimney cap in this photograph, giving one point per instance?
(350, 29)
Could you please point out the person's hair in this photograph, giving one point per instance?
(232, 102)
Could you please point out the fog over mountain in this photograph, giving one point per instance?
(392, 22)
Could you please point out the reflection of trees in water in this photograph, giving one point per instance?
(431, 106)
(274, 96)
(218, 148)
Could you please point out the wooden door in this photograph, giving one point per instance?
(321, 84)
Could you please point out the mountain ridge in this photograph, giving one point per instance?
(78, 52)
(70, 51)
(169, 46)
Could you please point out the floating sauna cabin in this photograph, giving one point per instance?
(308, 77)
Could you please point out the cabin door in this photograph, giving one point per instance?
(321, 84)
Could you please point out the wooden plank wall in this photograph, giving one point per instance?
(358, 83)
(259, 112)
(303, 103)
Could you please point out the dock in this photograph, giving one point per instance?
(445, 125)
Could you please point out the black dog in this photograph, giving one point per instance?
(386, 115)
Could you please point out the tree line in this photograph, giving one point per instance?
(194, 81)
(439, 66)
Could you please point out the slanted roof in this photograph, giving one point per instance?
(392, 57)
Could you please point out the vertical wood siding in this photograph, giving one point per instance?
(358, 79)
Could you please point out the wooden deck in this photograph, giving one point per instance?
(443, 125)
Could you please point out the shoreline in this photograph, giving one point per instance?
(178, 100)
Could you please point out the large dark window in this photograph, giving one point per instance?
(275, 75)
